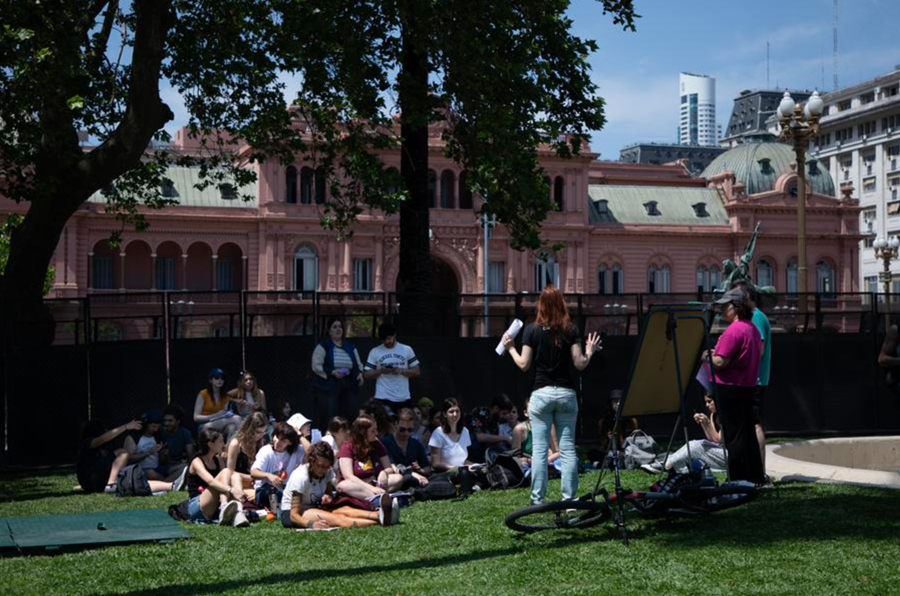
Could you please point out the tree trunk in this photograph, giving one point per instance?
(417, 314)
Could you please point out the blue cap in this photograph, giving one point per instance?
(152, 417)
(216, 372)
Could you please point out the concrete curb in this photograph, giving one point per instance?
(812, 461)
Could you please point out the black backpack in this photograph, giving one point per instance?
(439, 487)
(505, 472)
(132, 482)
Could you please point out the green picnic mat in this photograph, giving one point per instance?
(89, 529)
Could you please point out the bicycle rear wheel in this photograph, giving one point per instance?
(558, 515)
(728, 495)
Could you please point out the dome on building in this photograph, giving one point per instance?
(760, 161)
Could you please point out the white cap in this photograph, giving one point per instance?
(298, 421)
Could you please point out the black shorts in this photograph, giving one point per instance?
(93, 478)
(759, 411)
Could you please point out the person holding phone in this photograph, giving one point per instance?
(552, 344)
(392, 364)
(337, 371)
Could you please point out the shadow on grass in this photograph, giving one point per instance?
(788, 513)
(564, 541)
(25, 486)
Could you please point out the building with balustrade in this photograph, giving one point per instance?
(624, 229)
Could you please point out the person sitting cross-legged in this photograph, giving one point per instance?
(709, 450)
(405, 450)
(309, 494)
(366, 471)
(274, 464)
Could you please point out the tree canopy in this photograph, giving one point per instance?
(501, 77)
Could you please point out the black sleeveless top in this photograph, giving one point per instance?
(195, 482)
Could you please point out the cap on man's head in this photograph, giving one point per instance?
(216, 372)
(615, 394)
(425, 402)
(736, 295)
(152, 417)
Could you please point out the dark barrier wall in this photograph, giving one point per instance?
(820, 383)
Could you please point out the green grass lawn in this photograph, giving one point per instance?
(793, 539)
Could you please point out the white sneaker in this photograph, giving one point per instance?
(395, 512)
(240, 520)
(653, 468)
(228, 512)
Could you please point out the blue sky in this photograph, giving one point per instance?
(638, 72)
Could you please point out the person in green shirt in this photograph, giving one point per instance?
(761, 321)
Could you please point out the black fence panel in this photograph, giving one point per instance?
(282, 367)
(127, 379)
(190, 361)
(47, 404)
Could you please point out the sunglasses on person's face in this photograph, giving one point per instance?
(405, 429)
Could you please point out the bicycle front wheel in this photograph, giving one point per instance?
(558, 515)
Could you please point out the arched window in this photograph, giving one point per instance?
(320, 186)
(715, 277)
(546, 271)
(602, 279)
(465, 195)
(432, 188)
(290, 184)
(559, 185)
(393, 180)
(765, 275)
(665, 279)
(825, 279)
(306, 185)
(618, 279)
(306, 269)
(792, 277)
(702, 279)
(448, 189)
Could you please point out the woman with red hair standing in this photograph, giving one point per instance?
(552, 343)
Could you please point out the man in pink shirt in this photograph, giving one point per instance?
(735, 363)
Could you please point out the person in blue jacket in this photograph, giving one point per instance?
(338, 376)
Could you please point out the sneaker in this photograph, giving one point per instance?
(180, 481)
(240, 520)
(110, 489)
(227, 513)
(395, 512)
(652, 468)
(385, 511)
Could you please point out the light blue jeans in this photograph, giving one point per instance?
(551, 406)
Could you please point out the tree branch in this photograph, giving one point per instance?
(98, 51)
(145, 112)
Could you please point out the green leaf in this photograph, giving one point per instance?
(76, 102)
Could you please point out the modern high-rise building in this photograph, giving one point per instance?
(697, 125)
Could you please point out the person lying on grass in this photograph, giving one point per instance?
(274, 463)
(366, 470)
(308, 497)
(213, 496)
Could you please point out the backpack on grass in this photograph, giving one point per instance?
(439, 487)
(132, 482)
(505, 472)
(640, 449)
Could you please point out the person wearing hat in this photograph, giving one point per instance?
(735, 364)
(304, 427)
(211, 406)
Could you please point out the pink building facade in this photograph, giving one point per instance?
(624, 228)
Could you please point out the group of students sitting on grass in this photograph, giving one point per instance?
(245, 463)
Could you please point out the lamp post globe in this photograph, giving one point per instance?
(786, 107)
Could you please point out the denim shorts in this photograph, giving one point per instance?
(195, 513)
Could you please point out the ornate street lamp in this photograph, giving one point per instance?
(799, 125)
(887, 251)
